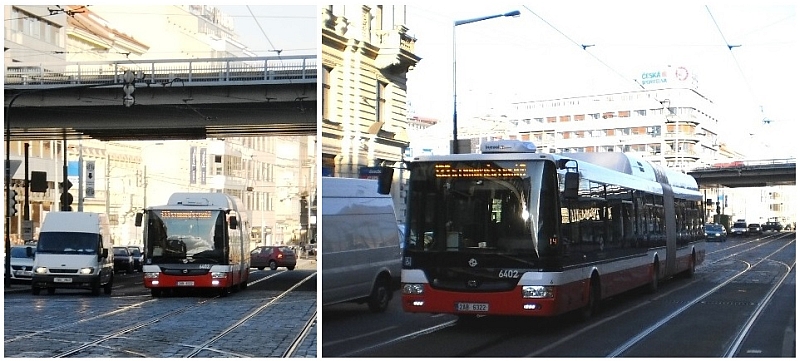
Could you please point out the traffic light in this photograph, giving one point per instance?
(303, 212)
(12, 203)
(66, 197)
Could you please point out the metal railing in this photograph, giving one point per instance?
(206, 71)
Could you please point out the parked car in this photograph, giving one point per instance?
(123, 260)
(739, 229)
(754, 229)
(273, 257)
(716, 232)
(22, 263)
(138, 257)
(772, 226)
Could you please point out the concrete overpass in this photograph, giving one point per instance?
(174, 99)
(747, 173)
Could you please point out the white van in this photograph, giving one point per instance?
(361, 255)
(73, 251)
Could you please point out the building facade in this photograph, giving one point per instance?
(366, 54)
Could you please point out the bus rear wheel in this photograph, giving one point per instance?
(155, 292)
(653, 287)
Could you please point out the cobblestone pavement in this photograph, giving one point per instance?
(72, 318)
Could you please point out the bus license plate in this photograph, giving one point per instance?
(472, 307)
(185, 283)
(62, 280)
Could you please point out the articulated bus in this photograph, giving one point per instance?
(197, 240)
(515, 232)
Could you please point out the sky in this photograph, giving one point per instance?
(540, 55)
(265, 29)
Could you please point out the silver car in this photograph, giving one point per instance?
(22, 263)
(739, 229)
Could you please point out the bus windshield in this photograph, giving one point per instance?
(475, 206)
(194, 236)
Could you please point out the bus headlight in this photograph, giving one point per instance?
(219, 274)
(41, 269)
(86, 271)
(537, 292)
(413, 289)
(151, 275)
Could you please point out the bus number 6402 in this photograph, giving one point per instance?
(508, 273)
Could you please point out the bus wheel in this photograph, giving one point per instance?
(379, 299)
(155, 292)
(594, 298)
(653, 287)
(689, 273)
(223, 292)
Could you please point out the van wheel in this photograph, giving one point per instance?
(291, 268)
(273, 265)
(51, 290)
(261, 268)
(107, 286)
(96, 288)
(35, 290)
(379, 299)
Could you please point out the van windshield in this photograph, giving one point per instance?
(68, 243)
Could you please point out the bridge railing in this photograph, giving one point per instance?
(205, 71)
(750, 163)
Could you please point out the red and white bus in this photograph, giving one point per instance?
(197, 240)
(515, 232)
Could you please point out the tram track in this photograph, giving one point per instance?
(757, 258)
(740, 334)
(155, 333)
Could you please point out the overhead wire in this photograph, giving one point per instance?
(735, 59)
(582, 46)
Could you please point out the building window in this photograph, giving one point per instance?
(564, 118)
(595, 115)
(579, 117)
(326, 90)
(641, 113)
(380, 113)
(551, 119)
(624, 113)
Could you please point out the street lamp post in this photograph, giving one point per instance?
(514, 13)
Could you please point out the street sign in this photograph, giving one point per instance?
(27, 231)
(12, 166)
(89, 179)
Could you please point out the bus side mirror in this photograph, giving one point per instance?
(139, 219)
(385, 180)
(571, 180)
(232, 222)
